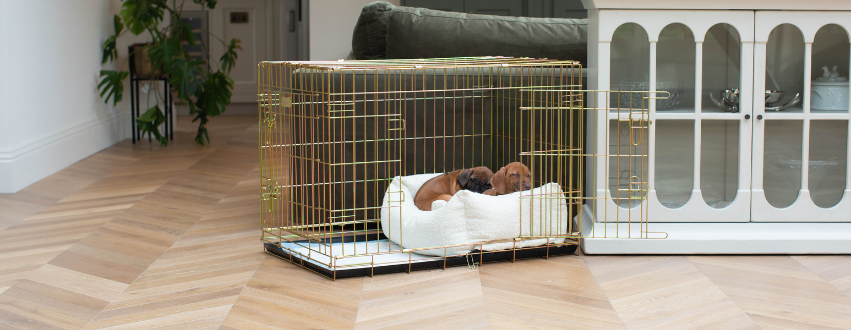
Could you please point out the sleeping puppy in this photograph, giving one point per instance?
(510, 178)
(444, 186)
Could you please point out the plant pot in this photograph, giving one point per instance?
(141, 61)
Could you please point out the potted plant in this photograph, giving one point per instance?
(206, 92)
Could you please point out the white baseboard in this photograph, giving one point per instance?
(716, 238)
(27, 164)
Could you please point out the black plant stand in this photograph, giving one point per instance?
(135, 112)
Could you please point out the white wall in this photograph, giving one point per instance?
(331, 25)
(50, 113)
(4, 140)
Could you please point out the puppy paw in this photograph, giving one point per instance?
(491, 192)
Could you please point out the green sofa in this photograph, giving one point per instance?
(385, 31)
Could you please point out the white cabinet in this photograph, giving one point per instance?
(745, 178)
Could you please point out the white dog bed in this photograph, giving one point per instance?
(470, 218)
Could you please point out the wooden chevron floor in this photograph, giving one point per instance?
(144, 237)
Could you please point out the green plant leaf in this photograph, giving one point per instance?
(215, 93)
(183, 76)
(119, 26)
(229, 58)
(202, 137)
(150, 121)
(212, 98)
(192, 108)
(162, 54)
(140, 15)
(109, 51)
(187, 35)
(112, 85)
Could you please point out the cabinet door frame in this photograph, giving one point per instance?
(699, 22)
(803, 209)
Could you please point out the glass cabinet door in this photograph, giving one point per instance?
(801, 133)
(629, 79)
(828, 162)
(783, 133)
(828, 145)
(674, 162)
(781, 172)
(719, 162)
(698, 164)
(722, 125)
(702, 148)
(675, 142)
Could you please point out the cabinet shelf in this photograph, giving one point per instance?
(675, 115)
(624, 115)
(823, 115)
(797, 113)
(784, 115)
(676, 110)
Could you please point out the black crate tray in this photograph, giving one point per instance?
(400, 262)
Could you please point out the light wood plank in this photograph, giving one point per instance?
(542, 293)
(775, 288)
(835, 270)
(426, 298)
(207, 267)
(283, 295)
(664, 292)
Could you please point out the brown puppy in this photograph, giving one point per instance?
(510, 178)
(447, 184)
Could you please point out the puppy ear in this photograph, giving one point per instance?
(464, 177)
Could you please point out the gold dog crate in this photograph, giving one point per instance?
(334, 135)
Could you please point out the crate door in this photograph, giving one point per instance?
(363, 140)
(275, 180)
(551, 134)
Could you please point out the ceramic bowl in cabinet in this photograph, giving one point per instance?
(830, 96)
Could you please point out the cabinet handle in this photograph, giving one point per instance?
(292, 21)
(747, 116)
(759, 117)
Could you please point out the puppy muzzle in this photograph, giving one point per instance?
(480, 187)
